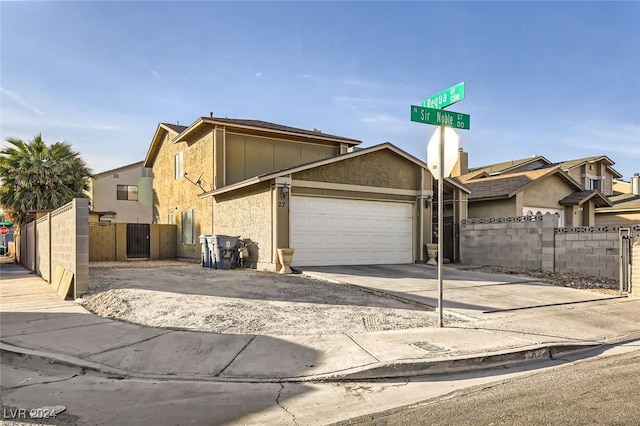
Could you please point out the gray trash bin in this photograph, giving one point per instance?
(211, 243)
(225, 252)
(205, 252)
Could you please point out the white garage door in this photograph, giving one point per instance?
(328, 231)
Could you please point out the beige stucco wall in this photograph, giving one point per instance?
(104, 195)
(624, 219)
(493, 208)
(547, 192)
(380, 168)
(178, 195)
(248, 214)
(247, 156)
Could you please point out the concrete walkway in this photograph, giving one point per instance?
(508, 320)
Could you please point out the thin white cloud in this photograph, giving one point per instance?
(258, 74)
(16, 98)
(155, 73)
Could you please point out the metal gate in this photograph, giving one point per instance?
(626, 242)
(451, 237)
(138, 245)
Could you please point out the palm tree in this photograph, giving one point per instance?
(35, 176)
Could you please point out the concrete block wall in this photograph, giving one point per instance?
(70, 242)
(43, 243)
(519, 242)
(589, 253)
(634, 289)
(530, 243)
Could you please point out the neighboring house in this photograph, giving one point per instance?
(123, 195)
(593, 173)
(278, 186)
(625, 208)
(526, 187)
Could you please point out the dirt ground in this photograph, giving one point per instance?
(186, 296)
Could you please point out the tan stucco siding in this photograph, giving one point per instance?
(381, 168)
(248, 214)
(622, 219)
(547, 193)
(248, 156)
(493, 208)
(175, 196)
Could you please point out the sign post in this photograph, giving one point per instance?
(431, 112)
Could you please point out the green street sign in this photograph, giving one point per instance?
(440, 117)
(445, 98)
(5, 223)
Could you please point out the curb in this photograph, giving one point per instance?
(395, 369)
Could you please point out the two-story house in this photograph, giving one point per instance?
(278, 186)
(123, 195)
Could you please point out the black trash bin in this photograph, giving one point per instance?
(225, 251)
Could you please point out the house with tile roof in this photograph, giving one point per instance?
(278, 186)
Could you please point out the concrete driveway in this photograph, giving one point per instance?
(496, 302)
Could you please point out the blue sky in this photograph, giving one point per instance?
(559, 79)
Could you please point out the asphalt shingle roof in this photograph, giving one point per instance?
(505, 165)
(279, 127)
(175, 127)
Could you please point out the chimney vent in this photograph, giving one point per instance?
(211, 114)
(635, 184)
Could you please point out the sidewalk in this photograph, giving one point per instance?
(35, 322)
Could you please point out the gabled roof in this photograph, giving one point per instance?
(506, 186)
(156, 141)
(264, 126)
(128, 166)
(505, 166)
(295, 169)
(622, 203)
(175, 127)
(570, 164)
(580, 197)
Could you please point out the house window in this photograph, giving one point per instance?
(178, 166)
(594, 184)
(127, 192)
(189, 226)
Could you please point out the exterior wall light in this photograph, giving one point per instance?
(284, 191)
(428, 200)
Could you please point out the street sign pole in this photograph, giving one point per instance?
(432, 112)
(440, 222)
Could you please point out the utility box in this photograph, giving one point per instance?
(225, 251)
(205, 251)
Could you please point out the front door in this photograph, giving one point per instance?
(138, 244)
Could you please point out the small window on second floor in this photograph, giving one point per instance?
(127, 192)
(178, 166)
(594, 184)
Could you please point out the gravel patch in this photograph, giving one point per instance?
(603, 285)
(185, 296)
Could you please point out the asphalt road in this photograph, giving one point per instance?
(600, 391)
